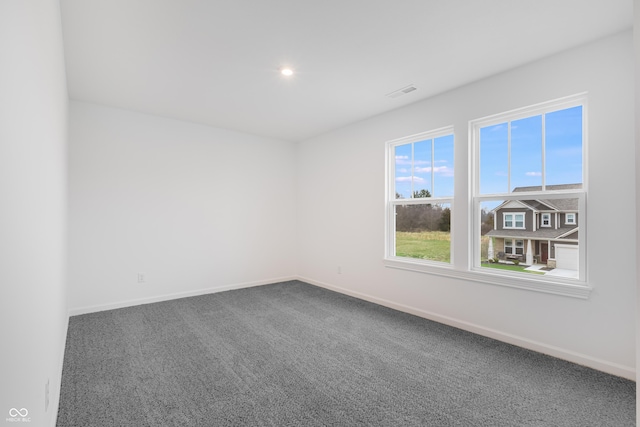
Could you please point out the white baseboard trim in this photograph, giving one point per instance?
(166, 297)
(564, 354)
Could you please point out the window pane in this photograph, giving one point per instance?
(526, 152)
(499, 243)
(563, 145)
(422, 168)
(443, 166)
(403, 178)
(494, 159)
(424, 232)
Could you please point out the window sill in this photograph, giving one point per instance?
(555, 285)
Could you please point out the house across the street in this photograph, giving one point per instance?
(538, 231)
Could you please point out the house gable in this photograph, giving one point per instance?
(513, 204)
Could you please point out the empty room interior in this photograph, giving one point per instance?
(319, 213)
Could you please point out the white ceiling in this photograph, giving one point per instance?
(216, 61)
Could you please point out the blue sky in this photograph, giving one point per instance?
(563, 156)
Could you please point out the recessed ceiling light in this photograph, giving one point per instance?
(286, 71)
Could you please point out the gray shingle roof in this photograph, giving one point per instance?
(538, 205)
(563, 204)
(542, 233)
(549, 187)
(570, 205)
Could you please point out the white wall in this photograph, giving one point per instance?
(194, 208)
(33, 137)
(341, 210)
(636, 45)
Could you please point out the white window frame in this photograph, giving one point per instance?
(465, 268)
(513, 221)
(576, 287)
(391, 202)
(548, 219)
(566, 218)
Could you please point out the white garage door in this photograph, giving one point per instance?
(567, 257)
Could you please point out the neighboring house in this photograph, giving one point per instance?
(537, 231)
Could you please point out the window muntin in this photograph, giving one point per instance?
(420, 197)
(528, 157)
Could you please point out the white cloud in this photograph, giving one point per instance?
(533, 174)
(439, 170)
(406, 160)
(409, 178)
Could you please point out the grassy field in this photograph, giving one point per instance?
(431, 245)
(436, 246)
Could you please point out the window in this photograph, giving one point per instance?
(570, 219)
(512, 248)
(545, 220)
(420, 197)
(513, 220)
(527, 163)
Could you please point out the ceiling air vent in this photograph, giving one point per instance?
(403, 91)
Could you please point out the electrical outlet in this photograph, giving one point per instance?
(46, 396)
(141, 278)
(339, 269)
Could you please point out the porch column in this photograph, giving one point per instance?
(529, 260)
(490, 249)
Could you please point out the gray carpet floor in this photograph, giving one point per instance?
(292, 354)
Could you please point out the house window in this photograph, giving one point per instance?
(545, 220)
(519, 247)
(420, 197)
(513, 220)
(514, 247)
(530, 160)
